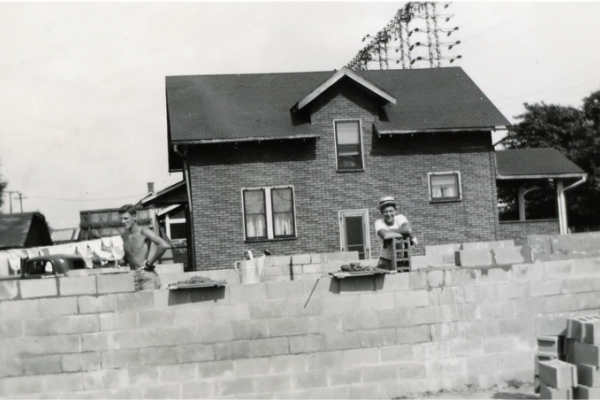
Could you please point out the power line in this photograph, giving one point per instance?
(547, 91)
(110, 198)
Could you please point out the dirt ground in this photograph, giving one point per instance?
(518, 391)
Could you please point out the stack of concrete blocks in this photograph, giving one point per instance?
(568, 361)
(554, 247)
(473, 255)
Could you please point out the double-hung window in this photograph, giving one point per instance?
(348, 145)
(269, 213)
(444, 186)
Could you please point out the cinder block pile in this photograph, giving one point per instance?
(567, 365)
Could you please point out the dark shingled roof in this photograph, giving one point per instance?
(15, 229)
(543, 162)
(221, 107)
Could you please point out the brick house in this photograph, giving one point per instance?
(296, 162)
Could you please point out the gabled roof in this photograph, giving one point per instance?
(213, 108)
(344, 72)
(15, 230)
(174, 194)
(535, 164)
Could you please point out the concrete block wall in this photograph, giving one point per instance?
(366, 337)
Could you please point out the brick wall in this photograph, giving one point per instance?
(395, 166)
(519, 230)
(364, 337)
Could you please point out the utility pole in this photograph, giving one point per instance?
(10, 197)
(21, 200)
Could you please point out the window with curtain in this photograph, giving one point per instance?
(269, 213)
(255, 214)
(348, 145)
(445, 186)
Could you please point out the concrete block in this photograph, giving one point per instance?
(308, 380)
(115, 283)
(419, 262)
(9, 290)
(250, 329)
(11, 329)
(577, 285)
(417, 280)
(158, 355)
(163, 391)
(38, 288)
(143, 375)
(513, 290)
(591, 331)
(360, 321)
(447, 331)
(198, 390)
(551, 345)
(587, 267)
(351, 256)
(302, 307)
(587, 301)
(248, 293)
(586, 354)
(482, 364)
(177, 373)
(398, 317)
(469, 277)
(416, 334)
(269, 347)
(315, 258)
(528, 272)
(494, 244)
(73, 286)
(195, 353)
(557, 374)
(78, 324)
(213, 333)
(236, 388)
(575, 327)
(252, 366)
(479, 294)
(342, 341)
(562, 269)
(97, 341)
(281, 260)
(289, 363)
(135, 339)
(495, 275)
(232, 350)
(39, 365)
(118, 321)
(216, 369)
(298, 259)
(512, 255)
(435, 315)
(545, 288)
(22, 385)
(584, 392)
(142, 300)
(231, 312)
(473, 258)
(267, 309)
(443, 296)
(187, 316)
(161, 318)
(271, 384)
(378, 337)
(66, 383)
(341, 305)
(435, 278)
(285, 290)
(442, 249)
(311, 269)
(376, 301)
(97, 304)
(379, 373)
(58, 306)
(307, 344)
(288, 326)
(95, 380)
(547, 392)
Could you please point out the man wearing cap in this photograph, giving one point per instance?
(390, 226)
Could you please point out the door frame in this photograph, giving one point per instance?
(363, 212)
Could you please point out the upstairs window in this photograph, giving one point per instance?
(348, 145)
(444, 186)
(269, 213)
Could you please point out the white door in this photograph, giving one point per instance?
(354, 232)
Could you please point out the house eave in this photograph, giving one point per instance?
(436, 130)
(539, 176)
(246, 139)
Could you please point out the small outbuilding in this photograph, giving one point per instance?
(24, 230)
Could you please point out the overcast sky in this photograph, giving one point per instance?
(82, 85)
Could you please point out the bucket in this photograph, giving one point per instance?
(248, 271)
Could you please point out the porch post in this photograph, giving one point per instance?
(521, 201)
(562, 207)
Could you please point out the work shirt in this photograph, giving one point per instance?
(379, 225)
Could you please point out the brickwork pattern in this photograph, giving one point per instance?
(395, 165)
(364, 337)
(519, 231)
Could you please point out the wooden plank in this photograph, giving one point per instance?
(177, 286)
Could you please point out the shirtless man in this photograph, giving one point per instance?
(391, 226)
(136, 245)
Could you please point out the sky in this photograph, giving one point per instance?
(82, 85)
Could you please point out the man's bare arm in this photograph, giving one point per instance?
(389, 234)
(162, 244)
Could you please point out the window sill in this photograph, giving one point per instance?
(445, 201)
(529, 221)
(351, 170)
(269, 240)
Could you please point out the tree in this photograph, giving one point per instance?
(575, 132)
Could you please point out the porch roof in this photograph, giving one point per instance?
(540, 163)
